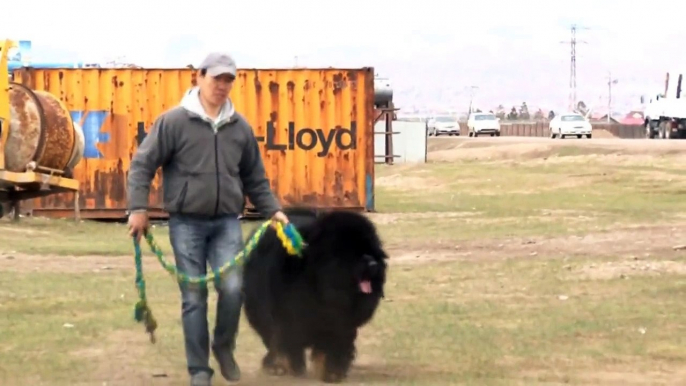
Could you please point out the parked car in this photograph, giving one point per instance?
(568, 124)
(483, 123)
(443, 124)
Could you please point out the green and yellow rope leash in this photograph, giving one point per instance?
(291, 240)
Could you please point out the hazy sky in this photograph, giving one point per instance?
(430, 49)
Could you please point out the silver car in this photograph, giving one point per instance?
(443, 124)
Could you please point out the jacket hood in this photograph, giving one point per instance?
(191, 102)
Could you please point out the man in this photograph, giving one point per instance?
(210, 160)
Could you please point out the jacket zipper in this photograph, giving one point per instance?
(216, 168)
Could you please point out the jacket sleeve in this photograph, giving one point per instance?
(254, 178)
(154, 151)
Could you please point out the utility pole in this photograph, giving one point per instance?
(572, 67)
(471, 97)
(610, 82)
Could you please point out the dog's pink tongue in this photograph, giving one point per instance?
(366, 286)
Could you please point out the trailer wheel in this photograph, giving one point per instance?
(650, 133)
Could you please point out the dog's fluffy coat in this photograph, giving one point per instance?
(319, 300)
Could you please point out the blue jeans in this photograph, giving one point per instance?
(197, 242)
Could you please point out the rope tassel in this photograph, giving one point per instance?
(290, 238)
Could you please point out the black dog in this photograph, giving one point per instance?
(318, 300)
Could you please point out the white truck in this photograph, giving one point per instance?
(665, 113)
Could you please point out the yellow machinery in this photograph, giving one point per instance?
(39, 143)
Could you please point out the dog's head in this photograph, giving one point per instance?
(370, 273)
(347, 246)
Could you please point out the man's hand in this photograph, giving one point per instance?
(138, 224)
(280, 217)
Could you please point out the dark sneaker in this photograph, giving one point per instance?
(227, 365)
(201, 379)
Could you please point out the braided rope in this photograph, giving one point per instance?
(291, 240)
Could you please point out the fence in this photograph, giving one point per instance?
(541, 129)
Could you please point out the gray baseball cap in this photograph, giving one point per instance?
(217, 63)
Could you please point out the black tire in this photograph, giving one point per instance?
(589, 136)
(497, 134)
(650, 133)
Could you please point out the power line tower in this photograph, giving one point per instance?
(572, 67)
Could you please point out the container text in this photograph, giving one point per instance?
(309, 139)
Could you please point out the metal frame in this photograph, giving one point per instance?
(18, 186)
(386, 113)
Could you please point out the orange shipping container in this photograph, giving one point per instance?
(315, 128)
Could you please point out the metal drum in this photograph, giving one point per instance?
(41, 132)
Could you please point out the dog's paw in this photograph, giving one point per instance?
(268, 360)
(276, 366)
(276, 370)
(332, 377)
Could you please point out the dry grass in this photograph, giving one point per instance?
(509, 271)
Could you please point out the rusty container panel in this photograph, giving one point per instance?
(314, 126)
(40, 131)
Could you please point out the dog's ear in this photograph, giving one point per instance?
(379, 252)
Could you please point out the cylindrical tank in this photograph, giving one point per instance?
(383, 93)
(41, 131)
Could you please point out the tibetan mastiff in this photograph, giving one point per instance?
(318, 300)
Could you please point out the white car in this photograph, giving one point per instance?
(570, 124)
(483, 123)
(443, 124)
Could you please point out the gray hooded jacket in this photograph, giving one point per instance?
(208, 166)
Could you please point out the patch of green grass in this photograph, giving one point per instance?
(497, 199)
(514, 199)
(67, 237)
(534, 320)
(469, 322)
